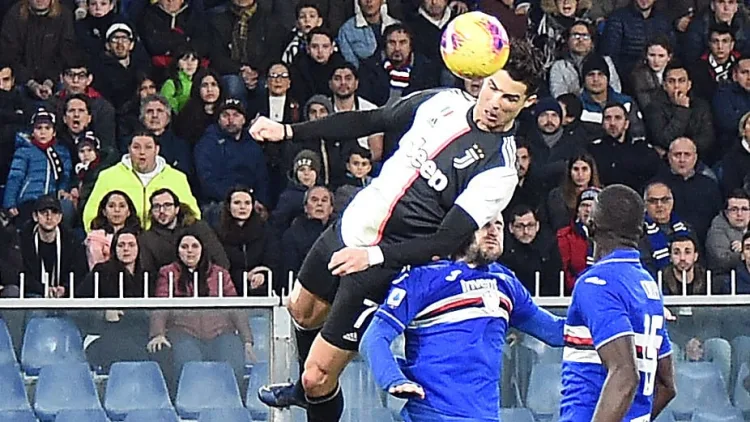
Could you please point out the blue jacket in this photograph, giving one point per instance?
(222, 162)
(31, 174)
(730, 102)
(176, 151)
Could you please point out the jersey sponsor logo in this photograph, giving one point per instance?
(428, 169)
(471, 156)
(479, 284)
(595, 280)
(395, 298)
(651, 289)
(453, 275)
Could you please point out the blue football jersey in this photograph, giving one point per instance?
(613, 298)
(454, 318)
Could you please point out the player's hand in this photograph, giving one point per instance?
(348, 261)
(407, 391)
(266, 130)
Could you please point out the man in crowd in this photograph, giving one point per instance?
(530, 189)
(683, 269)
(299, 238)
(720, 12)
(140, 173)
(311, 71)
(363, 34)
(724, 240)
(660, 223)
(155, 115)
(344, 85)
(731, 102)
(715, 66)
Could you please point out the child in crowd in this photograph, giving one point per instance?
(358, 168)
(303, 176)
(308, 17)
(40, 167)
(87, 169)
(177, 88)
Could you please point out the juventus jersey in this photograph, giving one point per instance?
(442, 159)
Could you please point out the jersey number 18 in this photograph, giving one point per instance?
(649, 344)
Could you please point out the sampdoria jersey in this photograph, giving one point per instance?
(442, 159)
(613, 298)
(455, 318)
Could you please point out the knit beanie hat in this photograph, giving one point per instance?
(90, 140)
(588, 194)
(548, 104)
(595, 62)
(308, 158)
(318, 99)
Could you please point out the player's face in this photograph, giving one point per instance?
(500, 100)
(683, 255)
(489, 240)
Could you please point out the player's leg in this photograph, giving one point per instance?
(308, 313)
(320, 380)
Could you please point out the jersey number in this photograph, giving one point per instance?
(649, 344)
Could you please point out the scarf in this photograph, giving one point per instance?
(658, 239)
(81, 169)
(398, 76)
(720, 72)
(240, 32)
(551, 139)
(52, 157)
(295, 46)
(583, 230)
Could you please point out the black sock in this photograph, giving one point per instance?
(327, 408)
(305, 338)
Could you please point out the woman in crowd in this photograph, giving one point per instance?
(208, 335)
(198, 112)
(648, 75)
(562, 200)
(573, 240)
(123, 333)
(250, 245)
(116, 211)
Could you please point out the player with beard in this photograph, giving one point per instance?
(455, 315)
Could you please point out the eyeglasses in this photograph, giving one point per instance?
(165, 206)
(120, 39)
(278, 75)
(664, 200)
(580, 37)
(738, 209)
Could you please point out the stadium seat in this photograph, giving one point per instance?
(153, 415)
(135, 386)
(395, 404)
(12, 391)
(259, 376)
(49, 341)
(18, 416)
(64, 386)
(359, 387)
(741, 397)
(545, 389)
(665, 416)
(7, 353)
(82, 416)
(718, 414)
(699, 385)
(516, 415)
(225, 415)
(261, 327)
(206, 385)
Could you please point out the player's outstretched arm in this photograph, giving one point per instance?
(376, 349)
(664, 386)
(544, 325)
(619, 389)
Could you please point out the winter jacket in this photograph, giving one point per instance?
(591, 117)
(102, 115)
(31, 174)
(118, 84)
(222, 162)
(697, 199)
(627, 34)
(574, 248)
(565, 76)
(645, 85)
(631, 163)
(375, 83)
(297, 241)
(253, 245)
(264, 42)
(557, 210)
(721, 257)
(310, 77)
(736, 167)
(729, 104)
(176, 152)
(290, 206)
(158, 245)
(177, 99)
(551, 163)
(164, 33)
(666, 121)
(672, 283)
(541, 255)
(13, 118)
(109, 282)
(705, 78)
(37, 46)
(356, 39)
(203, 325)
(72, 259)
(696, 40)
(91, 31)
(122, 177)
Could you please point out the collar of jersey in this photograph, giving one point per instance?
(621, 255)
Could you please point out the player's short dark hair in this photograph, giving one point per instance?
(618, 216)
(520, 210)
(343, 64)
(320, 31)
(736, 194)
(396, 27)
(306, 5)
(615, 104)
(525, 65)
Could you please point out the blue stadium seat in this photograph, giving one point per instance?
(516, 415)
(699, 385)
(64, 386)
(718, 414)
(665, 416)
(359, 387)
(741, 397)
(225, 415)
(545, 389)
(17, 416)
(259, 375)
(261, 327)
(12, 391)
(154, 415)
(544, 353)
(206, 385)
(135, 386)
(7, 353)
(395, 405)
(359, 414)
(82, 416)
(49, 341)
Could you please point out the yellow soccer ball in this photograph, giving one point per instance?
(474, 45)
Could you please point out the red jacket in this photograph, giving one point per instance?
(573, 248)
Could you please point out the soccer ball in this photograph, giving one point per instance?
(474, 45)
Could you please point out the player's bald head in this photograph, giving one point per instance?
(618, 216)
